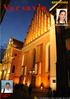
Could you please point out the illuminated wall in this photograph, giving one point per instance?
(7, 60)
(16, 65)
(39, 24)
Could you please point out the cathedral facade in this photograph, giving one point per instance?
(39, 51)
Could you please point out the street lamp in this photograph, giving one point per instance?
(41, 86)
(32, 72)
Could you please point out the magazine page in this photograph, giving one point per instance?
(34, 49)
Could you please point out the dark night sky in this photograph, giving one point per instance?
(15, 23)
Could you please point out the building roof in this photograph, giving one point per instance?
(18, 44)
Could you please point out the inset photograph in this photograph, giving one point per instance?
(6, 86)
(61, 17)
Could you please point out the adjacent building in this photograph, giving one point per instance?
(12, 60)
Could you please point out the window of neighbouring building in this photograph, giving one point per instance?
(13, 69)
(15, 54)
